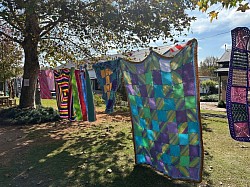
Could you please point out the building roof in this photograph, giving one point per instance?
(225, 57)
(66, 65)
(138, 55)
(92, 74)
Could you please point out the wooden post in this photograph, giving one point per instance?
(219, 90)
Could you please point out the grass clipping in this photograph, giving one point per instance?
(17, 116)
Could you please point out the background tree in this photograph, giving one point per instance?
(204, 5)
(83, 28)
(10, 60)
(208, 66)
(209, 85)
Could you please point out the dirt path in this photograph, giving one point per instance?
(211, 106)
(12, 143)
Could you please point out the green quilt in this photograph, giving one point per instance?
(164, 101)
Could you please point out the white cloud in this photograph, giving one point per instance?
(227, 20)
(199, 48)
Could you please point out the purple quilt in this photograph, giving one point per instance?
(238, 92)
(164, 102)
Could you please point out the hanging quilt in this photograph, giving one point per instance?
(50, 79)
(84, 89)
(75, 112)
(44, 86)
(88, 95)
(81, 94)
(109, 78)
(62, 78)
(174, 50)
(164, 102)
(238, 92)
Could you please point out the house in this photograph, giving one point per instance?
(222, 73)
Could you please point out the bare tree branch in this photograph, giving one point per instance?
(47, 28)
(10, 5)
(8, 20)
(11, 38)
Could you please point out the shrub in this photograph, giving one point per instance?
(98, 100)
(210, 85)
(17, 116)
(221, 104)
(123, 109)
(210, 98)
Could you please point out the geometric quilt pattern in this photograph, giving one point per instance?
(164, 102)
(62, 78)
(109, 78)
(238, 93)
(74, 94)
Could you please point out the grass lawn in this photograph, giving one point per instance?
(45, 103)
(101, 154)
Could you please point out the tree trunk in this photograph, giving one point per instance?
(31, 64)
(30, 74)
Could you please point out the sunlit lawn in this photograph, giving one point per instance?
(102, 155)
(45, 102)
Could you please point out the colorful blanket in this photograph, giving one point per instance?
(164, 102)
(238, 92)
(75, 107)
(84, 89)
(62, 78)
(44, 86)
(87, 93)
(81, 94)
(50, 79)
(109, 78)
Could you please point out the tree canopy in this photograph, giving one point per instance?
(83, 28)
(10, 59)
(208, 66)
(204, 5)
(86, 27)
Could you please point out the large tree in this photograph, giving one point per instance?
(208, 66)
(80, 28)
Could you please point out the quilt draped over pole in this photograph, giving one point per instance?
(62, 78)
(163, 94)
(109, 78)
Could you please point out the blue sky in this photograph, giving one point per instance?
(212, 36)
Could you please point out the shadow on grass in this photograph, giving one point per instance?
(205, 127)
(115, 113)
(72, 156)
